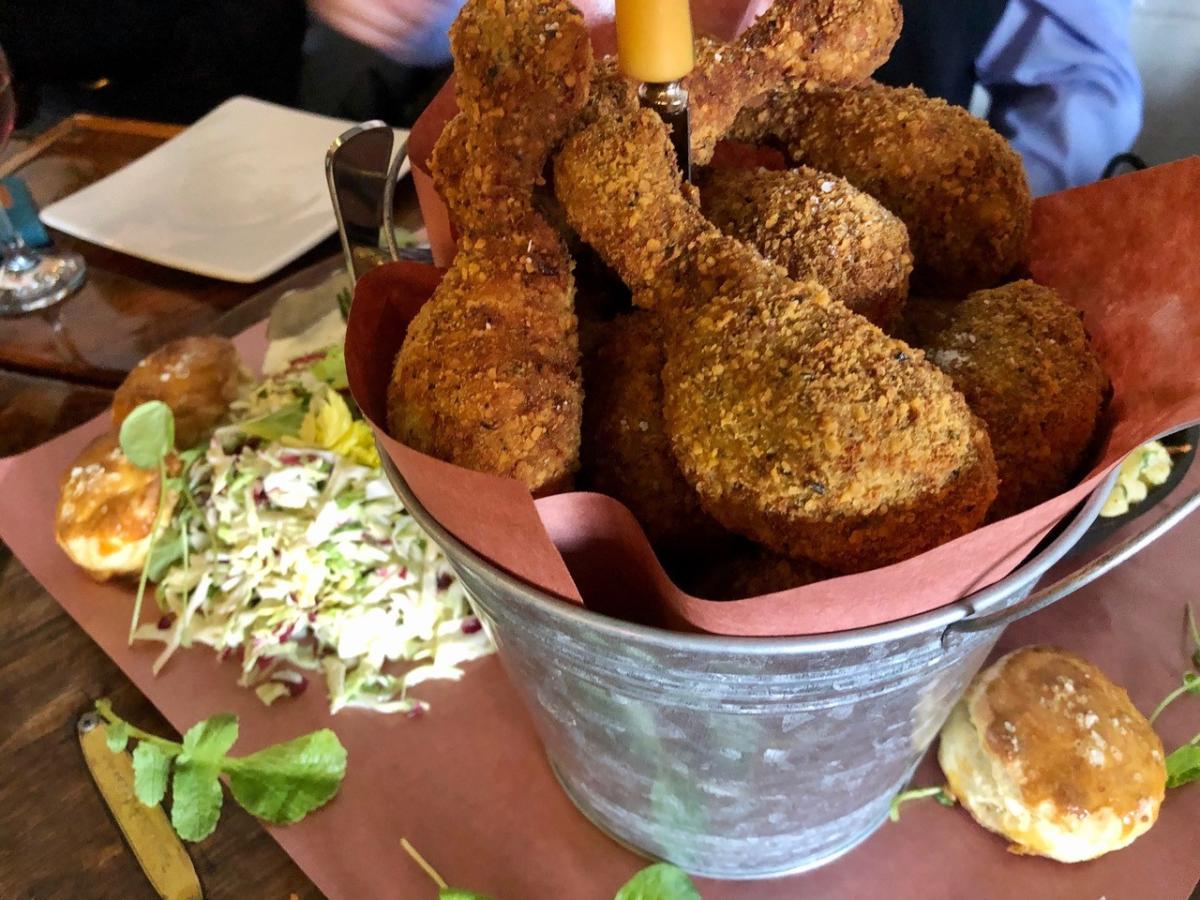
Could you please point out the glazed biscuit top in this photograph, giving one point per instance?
(1068, 736)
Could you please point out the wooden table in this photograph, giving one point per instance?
(56, 371)
(56, 837)
(127, 306)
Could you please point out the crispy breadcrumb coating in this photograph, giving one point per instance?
(819, 228)
(798, 42)
(626, 452)
(956, 184)
(800, 425)
(1021, 357)
(488, 376)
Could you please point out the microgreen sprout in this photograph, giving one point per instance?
(940, 794)
(147, 438)
(1190, 685)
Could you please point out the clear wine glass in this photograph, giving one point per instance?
(29, 280)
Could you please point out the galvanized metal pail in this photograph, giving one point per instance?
(731, 757)
(746, 758)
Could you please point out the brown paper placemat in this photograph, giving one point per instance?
(469, 786)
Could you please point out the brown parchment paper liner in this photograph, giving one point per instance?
(1122, 251)
(469, 785)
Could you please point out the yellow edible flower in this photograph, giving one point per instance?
(330, 426)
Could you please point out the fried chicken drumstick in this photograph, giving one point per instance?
(1021, 357)
(804, 42)
(799, 424)
(818, 227)
(488, 375)
(955, 183)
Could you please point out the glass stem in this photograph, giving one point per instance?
(18, 257)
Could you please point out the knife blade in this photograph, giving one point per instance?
(147, 830)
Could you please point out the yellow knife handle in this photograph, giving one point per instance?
(654, 40)
(147, 829)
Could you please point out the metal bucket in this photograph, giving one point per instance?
(741, 758)
(734, 758)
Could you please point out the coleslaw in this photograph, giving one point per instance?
(289, 549)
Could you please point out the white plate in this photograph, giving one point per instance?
(237, 196)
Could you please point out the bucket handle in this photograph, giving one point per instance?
(389, 200)
(956, 632)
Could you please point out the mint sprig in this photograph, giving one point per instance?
(1183, 765)
(1190, 685)
(280, 784)
(661, 881)
(147, 437)
(940, 794)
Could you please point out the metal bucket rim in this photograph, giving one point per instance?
(1008, 588)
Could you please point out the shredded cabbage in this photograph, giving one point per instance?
(290, 549)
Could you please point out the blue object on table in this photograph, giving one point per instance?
(22, 212)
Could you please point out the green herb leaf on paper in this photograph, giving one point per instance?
(151, 769)
(195, 799)
(1183, 765)
(148, 434)
(210, 740)
(661, 881)
(282, 784)
(117, 736)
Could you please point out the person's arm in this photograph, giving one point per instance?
(1064, 87)
(414, 32)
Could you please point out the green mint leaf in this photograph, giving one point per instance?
(117, 736)
(209, 741)
(345, 298)
(285, 782)
(148, 434)
(661, 881)
(195, 799)
(456, 894)
(150, 770)
(331, 368)
(1191, 682)
(278, 424)
(1183, 766)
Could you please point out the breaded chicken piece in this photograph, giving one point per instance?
(819, 228)
(1021, 357)
(626, 452)
(800, 425)
(198, 377)
(106, 510)
(488, 375)
(741, 569)
(956, 184)
(797, 42)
